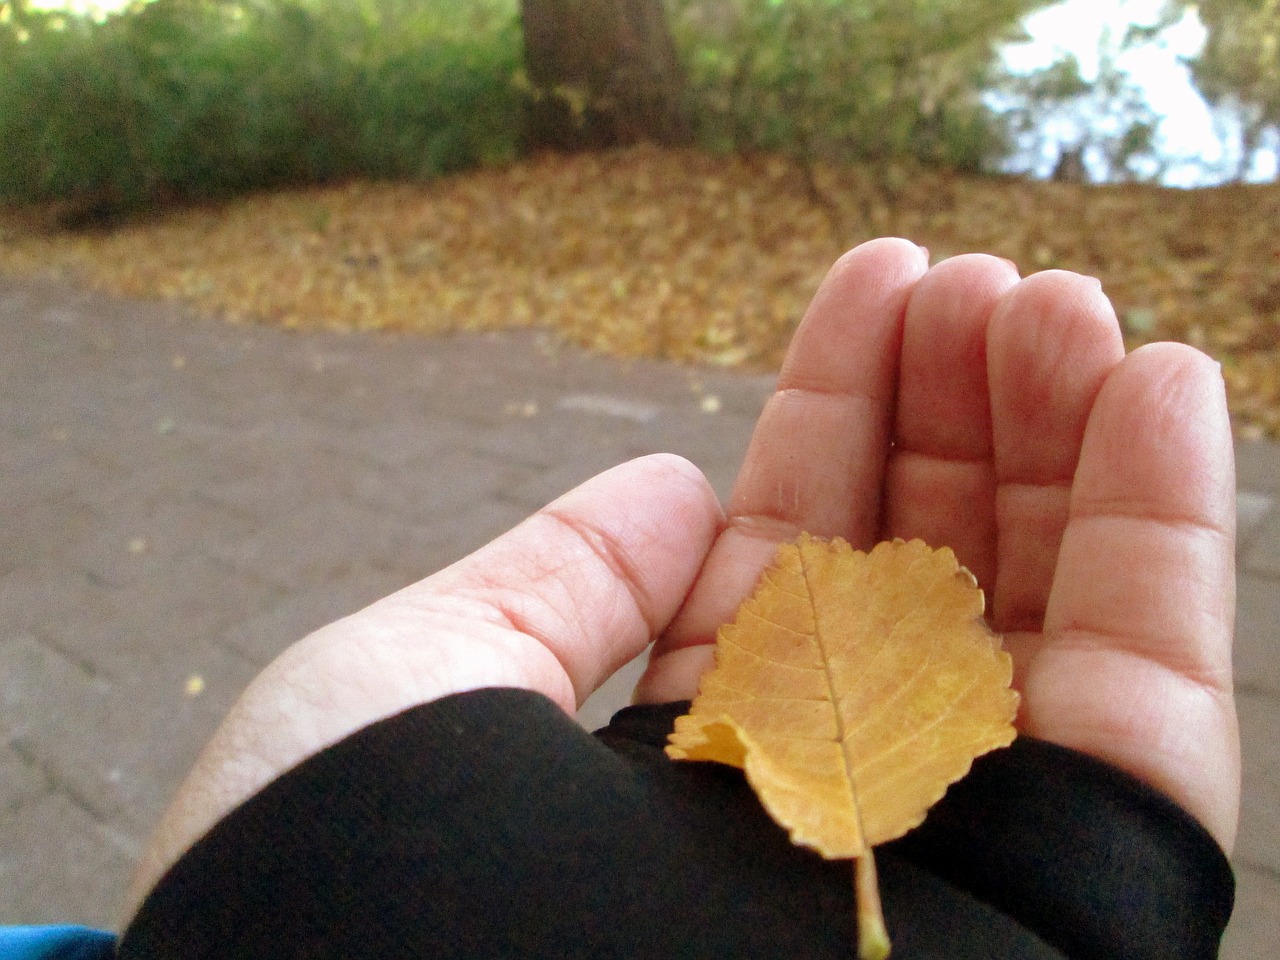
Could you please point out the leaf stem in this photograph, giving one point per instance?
(873, 936)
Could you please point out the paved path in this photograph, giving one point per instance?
(180, 499)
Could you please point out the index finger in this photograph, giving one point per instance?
(816, 460)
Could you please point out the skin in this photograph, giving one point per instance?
(1091, 493)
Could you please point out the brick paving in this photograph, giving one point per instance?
(182, 498)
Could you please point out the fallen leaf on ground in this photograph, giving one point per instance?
(853, 689)
(628, 252)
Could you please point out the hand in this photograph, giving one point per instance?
(1091, 494)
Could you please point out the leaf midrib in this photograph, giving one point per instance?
(832, 698)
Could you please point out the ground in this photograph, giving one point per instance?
(684, 255)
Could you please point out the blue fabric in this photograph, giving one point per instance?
(56, 943)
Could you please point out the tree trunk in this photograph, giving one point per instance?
(1250, 142)
(602, 73)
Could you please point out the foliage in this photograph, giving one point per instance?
(182, 99)
(848, 79)
(1240, 66)
(1106, 122)
(177, 100)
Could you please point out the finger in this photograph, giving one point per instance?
(595, 576)
(940, 484)
(1050, 344)
(816, 459)
(1135, 662)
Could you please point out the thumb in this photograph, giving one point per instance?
(555, 606)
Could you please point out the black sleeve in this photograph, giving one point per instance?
(489, 825)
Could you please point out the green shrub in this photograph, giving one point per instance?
(848, 80)
(185, 99)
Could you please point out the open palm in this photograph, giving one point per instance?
(1092, 494)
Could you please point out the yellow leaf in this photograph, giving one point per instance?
(853, 689)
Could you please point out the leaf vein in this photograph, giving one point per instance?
(728, 642)
(922, 730)
(774, 623)
(883, 706)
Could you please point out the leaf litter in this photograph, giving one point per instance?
(684, 255)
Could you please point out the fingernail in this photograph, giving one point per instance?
(925, 250)
(1010, 263)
